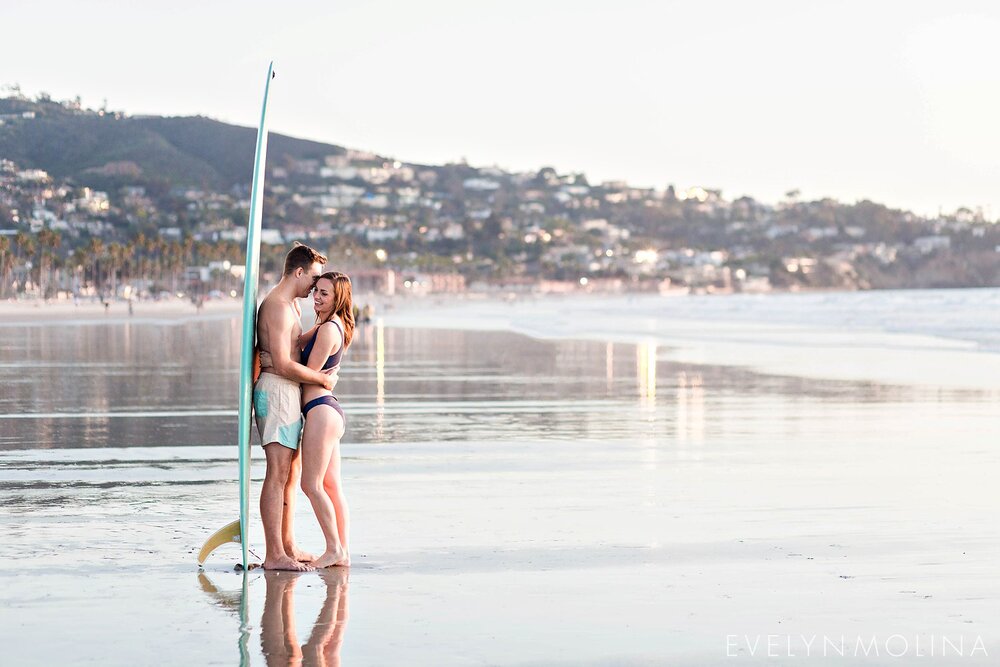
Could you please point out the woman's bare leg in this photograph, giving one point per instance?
(323, 647)
(323, 429)
(334, 488)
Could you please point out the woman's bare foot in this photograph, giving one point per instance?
(332, 558)
(287, 563)
(297, 554)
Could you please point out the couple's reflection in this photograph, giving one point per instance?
(279, 640)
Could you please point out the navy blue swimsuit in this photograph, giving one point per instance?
(332, 361)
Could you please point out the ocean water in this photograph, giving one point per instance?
(930, 338)
(606, 490)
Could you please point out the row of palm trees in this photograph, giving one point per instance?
(41, 264)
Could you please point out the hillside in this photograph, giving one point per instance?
(183, 181)
(101, 149)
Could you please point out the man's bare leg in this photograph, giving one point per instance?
(272, 500)
(278, 639)
(288, 514)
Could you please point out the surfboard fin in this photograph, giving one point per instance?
(228, 533)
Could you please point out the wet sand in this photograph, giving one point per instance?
(514, 501)
(35, 311)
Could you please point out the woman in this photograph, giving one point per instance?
(322, 348)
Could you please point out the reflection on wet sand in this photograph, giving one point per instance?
(235, 602)
(690, 408)
(645, 374)
(379, 380)
(279, 641)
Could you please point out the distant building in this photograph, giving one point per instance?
(450, 283)
(271, 237)
(375, 281)
(434, 283)
(482, 184)
(378, 235)
(925, 245)
(33, 176)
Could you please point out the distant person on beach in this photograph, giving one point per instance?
(323, 348)
(277, 400)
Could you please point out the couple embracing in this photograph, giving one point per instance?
(293, 401)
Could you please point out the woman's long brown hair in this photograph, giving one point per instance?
(343, 302)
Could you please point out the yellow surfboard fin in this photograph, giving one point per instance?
(228, 533)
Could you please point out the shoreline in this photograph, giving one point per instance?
(30, 312)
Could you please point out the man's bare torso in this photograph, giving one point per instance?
(275, 313)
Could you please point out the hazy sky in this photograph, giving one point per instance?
(891, 101)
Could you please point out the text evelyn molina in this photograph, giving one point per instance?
(871, 646)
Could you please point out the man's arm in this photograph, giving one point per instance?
(306, 335)
(279, 343)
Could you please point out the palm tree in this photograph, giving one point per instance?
(48, 241)
(21, 241)
(6, 264)
(25, 244)
(156, 248)
(95, 250)
(175, 262)
(80, 259)
(137, 249)
(116, 255)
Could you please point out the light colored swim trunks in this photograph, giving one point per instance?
(277, 406)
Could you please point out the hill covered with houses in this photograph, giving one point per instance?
(96, 200)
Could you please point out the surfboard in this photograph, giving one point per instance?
(238, 531)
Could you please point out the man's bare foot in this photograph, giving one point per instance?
(297, 554)
(335, 558)
(286, 563)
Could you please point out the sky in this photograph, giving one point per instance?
(890, 101)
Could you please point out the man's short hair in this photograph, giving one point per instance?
(302, 256)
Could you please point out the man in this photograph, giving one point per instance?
(277, 403)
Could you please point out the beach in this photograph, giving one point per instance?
(34, 311)
(530, 484)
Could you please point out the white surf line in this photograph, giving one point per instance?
(355, 408)
(110, 415)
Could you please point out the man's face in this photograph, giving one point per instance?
(308, 278)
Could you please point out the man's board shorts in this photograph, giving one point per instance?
(277, 409)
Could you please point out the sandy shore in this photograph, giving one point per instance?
(34, 311)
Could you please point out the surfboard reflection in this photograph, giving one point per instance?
(235, 602)
(279, 640)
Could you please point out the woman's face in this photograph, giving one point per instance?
(323, 297)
